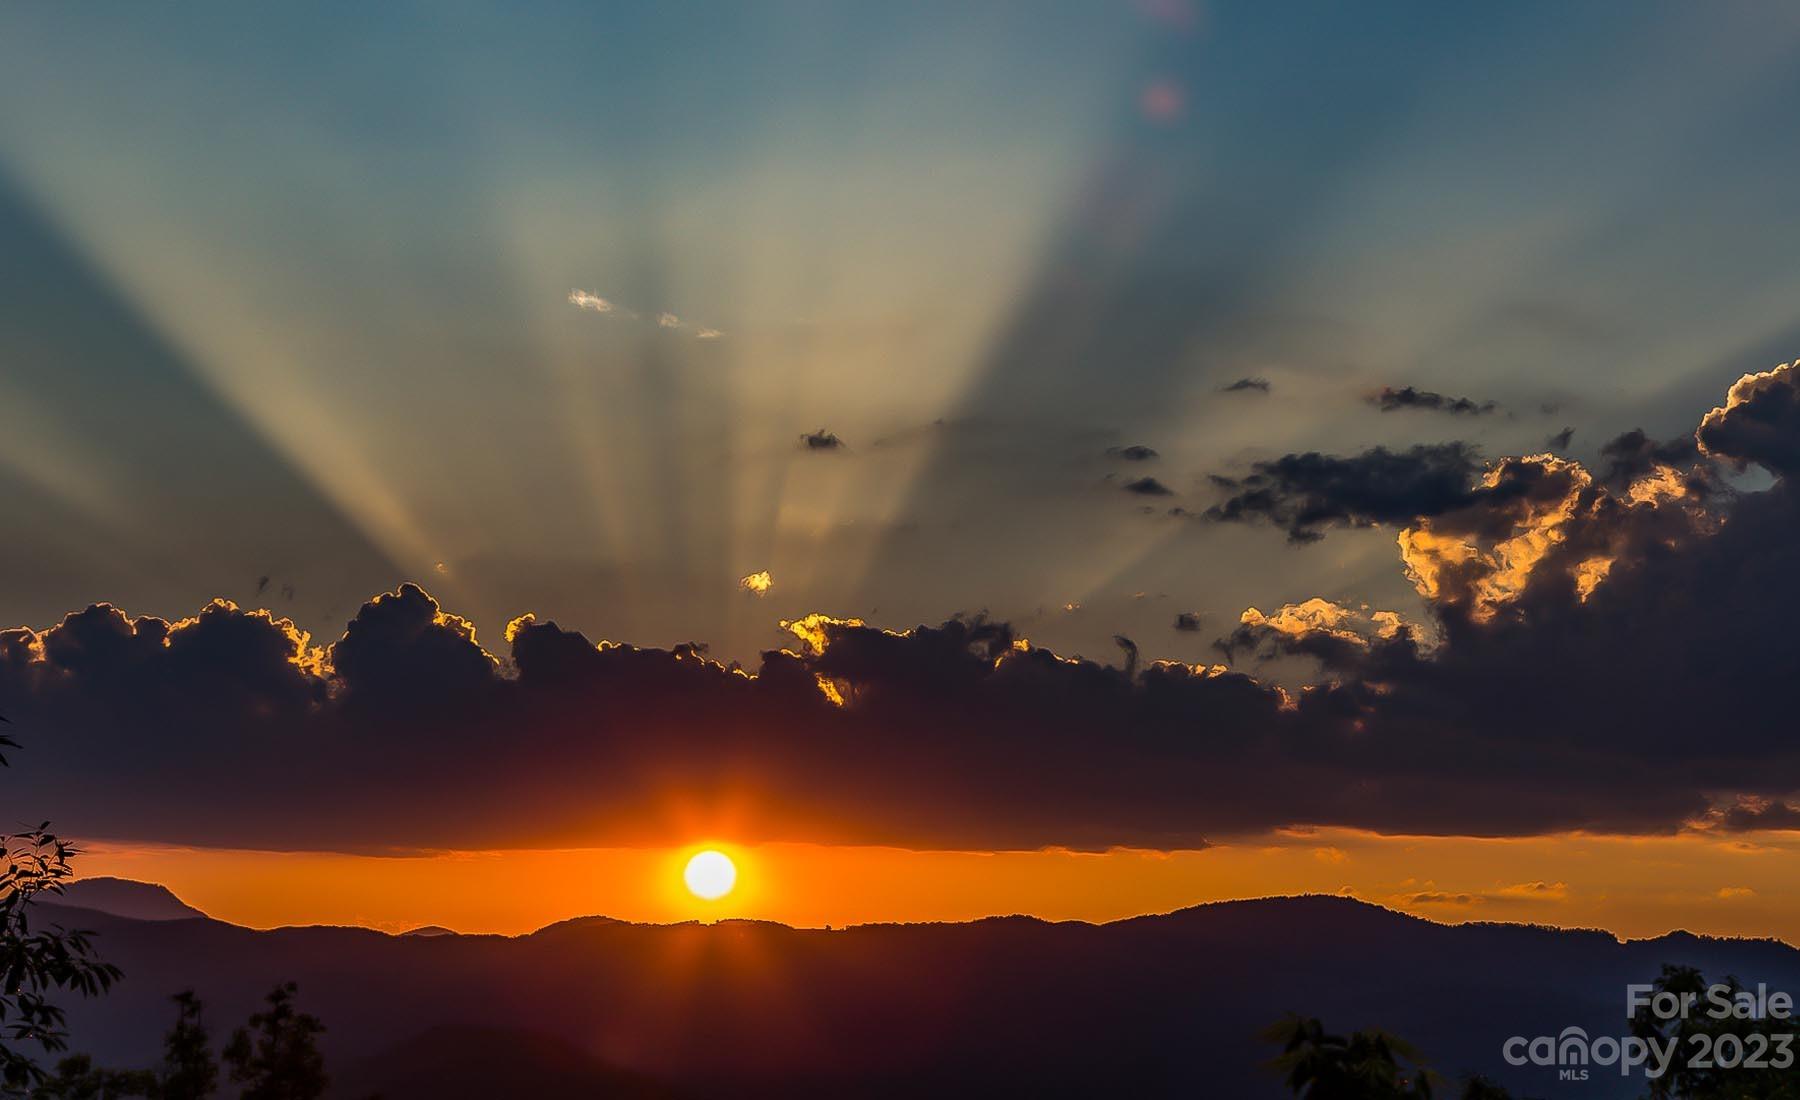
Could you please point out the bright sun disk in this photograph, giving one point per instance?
(710, 875)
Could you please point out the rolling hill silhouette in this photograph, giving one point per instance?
(123, 897)
(1159, 1005)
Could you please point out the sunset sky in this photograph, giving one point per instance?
(1079, 459)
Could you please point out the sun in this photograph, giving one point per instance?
(710, 875)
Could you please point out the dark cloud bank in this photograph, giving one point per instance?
(1611, 652)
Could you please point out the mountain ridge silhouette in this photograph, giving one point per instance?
(1166, 1004)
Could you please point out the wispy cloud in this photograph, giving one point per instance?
(590, 302)
(1247, 385)
(1390, 399)
(593, 303)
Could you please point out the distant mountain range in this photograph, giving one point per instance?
(1160, 1005)
(122, 897)
(429, 930)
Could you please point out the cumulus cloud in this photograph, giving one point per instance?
(1542, 520)
(1441, 897)
(1633, 454)
(821, 440)
(758, 583)
(1538, 890)
(1759, 422)
(1134, 453)
(1640, 614)
(1188, 622)
(1306, 493)
(1331, 632)
(234, 728)
(1542, 557)
(1593, 655)
(1524, 892)
(1389, 399)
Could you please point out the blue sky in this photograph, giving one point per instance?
(287, 292)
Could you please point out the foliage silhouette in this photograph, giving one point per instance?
(277, 1056)
(189, 1071)
(1480, 1088)
(77, 1078)
(1686, 1080)
(37, 962)
(1365, 1065)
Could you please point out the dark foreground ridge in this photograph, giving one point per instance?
(1159, 1005)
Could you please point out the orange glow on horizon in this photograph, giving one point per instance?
(1632, 886)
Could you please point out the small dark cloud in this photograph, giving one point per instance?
(1247, 385)
(1135, 453)
(1539, 887)
(1391, 400)
(1148, 487)
(1305, 493)
(1439, 897)
(1130, 649)
(1561, 440)
(1188, 622)
(821, 440)
(1633, 454)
